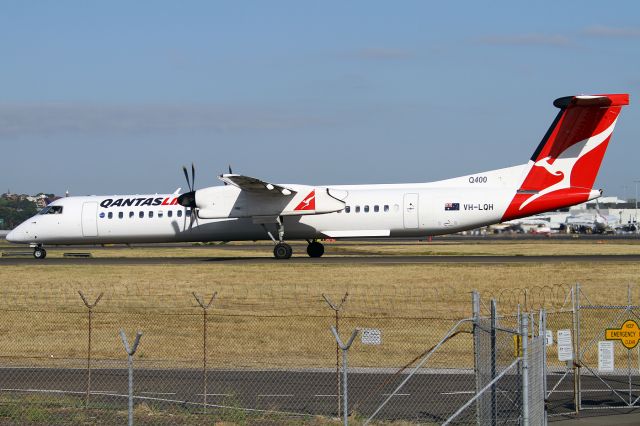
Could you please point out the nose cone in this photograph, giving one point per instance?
(18, 235)
(12, 237)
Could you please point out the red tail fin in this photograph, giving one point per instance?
(565, 165)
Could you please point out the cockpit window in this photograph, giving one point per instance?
(51, 210)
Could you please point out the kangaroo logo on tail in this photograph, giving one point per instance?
(565, 162)
(564, 167)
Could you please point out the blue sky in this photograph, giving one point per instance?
(114, 97)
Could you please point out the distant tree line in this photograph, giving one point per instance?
(14, 212)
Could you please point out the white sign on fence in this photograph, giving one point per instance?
(565, 346)
(605, 356)
(371, 336)
(549, 336)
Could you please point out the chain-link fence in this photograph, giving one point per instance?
(607, 352)
(268, 354)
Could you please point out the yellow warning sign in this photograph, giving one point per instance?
(517, 345)
(628, 334)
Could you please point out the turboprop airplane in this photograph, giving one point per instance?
(560, 173)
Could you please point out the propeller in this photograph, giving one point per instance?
(188, 199)
(230, 172)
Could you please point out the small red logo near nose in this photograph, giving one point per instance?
(309, 202)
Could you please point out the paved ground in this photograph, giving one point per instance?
(427, 397)
(606, 417)
(324, 260)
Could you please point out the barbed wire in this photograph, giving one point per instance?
(287, 299)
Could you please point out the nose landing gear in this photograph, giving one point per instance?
(39, 252)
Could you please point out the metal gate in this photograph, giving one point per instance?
(90, 219)
(510, 367)
(608, 371)
(507, 383)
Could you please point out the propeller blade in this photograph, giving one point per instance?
(188, 199)
(193, 177)
(193, 217)
(184, 220)
(186, 175)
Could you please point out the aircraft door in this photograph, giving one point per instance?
(410, 211)
(90, 219)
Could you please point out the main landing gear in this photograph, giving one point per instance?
(315, 249)
(39, 252)
(282, 250)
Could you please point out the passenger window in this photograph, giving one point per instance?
(357, 209)
(386, 208)
(396, 207)
(366, 209)
(120, 215)
(347, 209)
(150, 213)
(110, 215)
(170, 213)
(159, 213)
(141, 215)
(179, 213)
(131, 214)
(376, 209)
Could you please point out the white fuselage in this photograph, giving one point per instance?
(560, 174)
(395, 210)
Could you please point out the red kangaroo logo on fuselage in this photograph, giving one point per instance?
(309, 202)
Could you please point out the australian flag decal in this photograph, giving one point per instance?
(451, 206)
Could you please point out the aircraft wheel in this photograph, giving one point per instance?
(315, 249)
(39, 253)
(282, 251)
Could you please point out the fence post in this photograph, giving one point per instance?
(205, 308)
(494, 325)
(337, 308)
(345, 349)
(475, 303)
(130, 352)
(542, 331)
(524, 332)
(90, 307)
(576, 347)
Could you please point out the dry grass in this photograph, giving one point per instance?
(263, 308)
(273, 315)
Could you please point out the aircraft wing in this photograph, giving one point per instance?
(251, 184)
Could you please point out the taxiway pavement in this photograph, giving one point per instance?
(399, 259)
